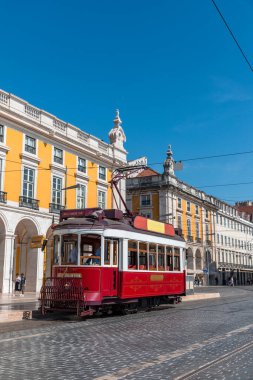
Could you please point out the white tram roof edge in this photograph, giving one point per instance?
(123, 234)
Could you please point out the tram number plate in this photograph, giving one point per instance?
(156, 277)
(73, 275)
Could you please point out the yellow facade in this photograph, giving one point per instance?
(185, 215)
(14, 167)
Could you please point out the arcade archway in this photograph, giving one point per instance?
(2, 251)
(27, 259)
(198, 259)
(190, 261)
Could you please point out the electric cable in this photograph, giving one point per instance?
(232, 34)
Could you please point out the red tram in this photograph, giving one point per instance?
(113, 262)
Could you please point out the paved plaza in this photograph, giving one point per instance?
(208, 339)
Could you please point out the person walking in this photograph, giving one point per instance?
(22, 284)
(17, 283)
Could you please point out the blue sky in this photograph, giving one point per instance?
(170, 66)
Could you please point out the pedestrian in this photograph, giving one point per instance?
(216, 281)
(22, 284)
(17, 283)
(232, 281)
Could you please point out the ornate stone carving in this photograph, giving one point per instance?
(116, 135)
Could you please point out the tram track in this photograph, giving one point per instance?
(181, 352)
(229, 355)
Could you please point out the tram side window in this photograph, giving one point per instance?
(161, 257)
(69, 250)
(152, 257)
(115, 252)
(143, 256)
(169, 258)
(176, 259)
(56, 249)
(107, 252)
(111, 249)
(132, 254)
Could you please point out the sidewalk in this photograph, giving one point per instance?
(12, 307)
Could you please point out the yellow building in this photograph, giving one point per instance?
(40, 156)
(164, 197)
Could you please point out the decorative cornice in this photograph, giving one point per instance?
(29, 157)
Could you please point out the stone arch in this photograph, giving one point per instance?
(27, 259)
(198, 260)
(190, 260)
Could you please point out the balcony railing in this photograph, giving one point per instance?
(29, 203)
(3, 197)
(209, 242)
(198, 240)
(189, 238)
(58, 160)
(234, 266)
(55, 208)
(30, 149)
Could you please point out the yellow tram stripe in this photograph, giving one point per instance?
(156, 226)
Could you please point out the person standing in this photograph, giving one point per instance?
(22, 284)
(17, 283)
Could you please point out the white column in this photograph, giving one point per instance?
(40, 264)
(8, 264)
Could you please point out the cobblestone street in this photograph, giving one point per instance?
(211, 339)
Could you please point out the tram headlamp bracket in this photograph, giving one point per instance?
(44, 244)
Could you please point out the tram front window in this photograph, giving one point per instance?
(90, 250)
(69, 249)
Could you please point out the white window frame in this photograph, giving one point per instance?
(62, 195)
(79, 197)
(34, 147)
(102, 191)
(53, 151)
(102, 179)
(150, 200)
(4, 133)
(34, 182)
(78, 165)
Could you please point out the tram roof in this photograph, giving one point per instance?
(105, 223)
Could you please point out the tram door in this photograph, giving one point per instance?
(111, 259)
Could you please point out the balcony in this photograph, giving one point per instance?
(208, 242)
(3, 197)
(58, 160)
(198, 240)
(189, 238)
(30, 149)
(55, 208)
(29, 203)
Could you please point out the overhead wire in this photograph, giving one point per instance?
(232, 35)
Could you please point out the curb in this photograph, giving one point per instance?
(197, 297)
